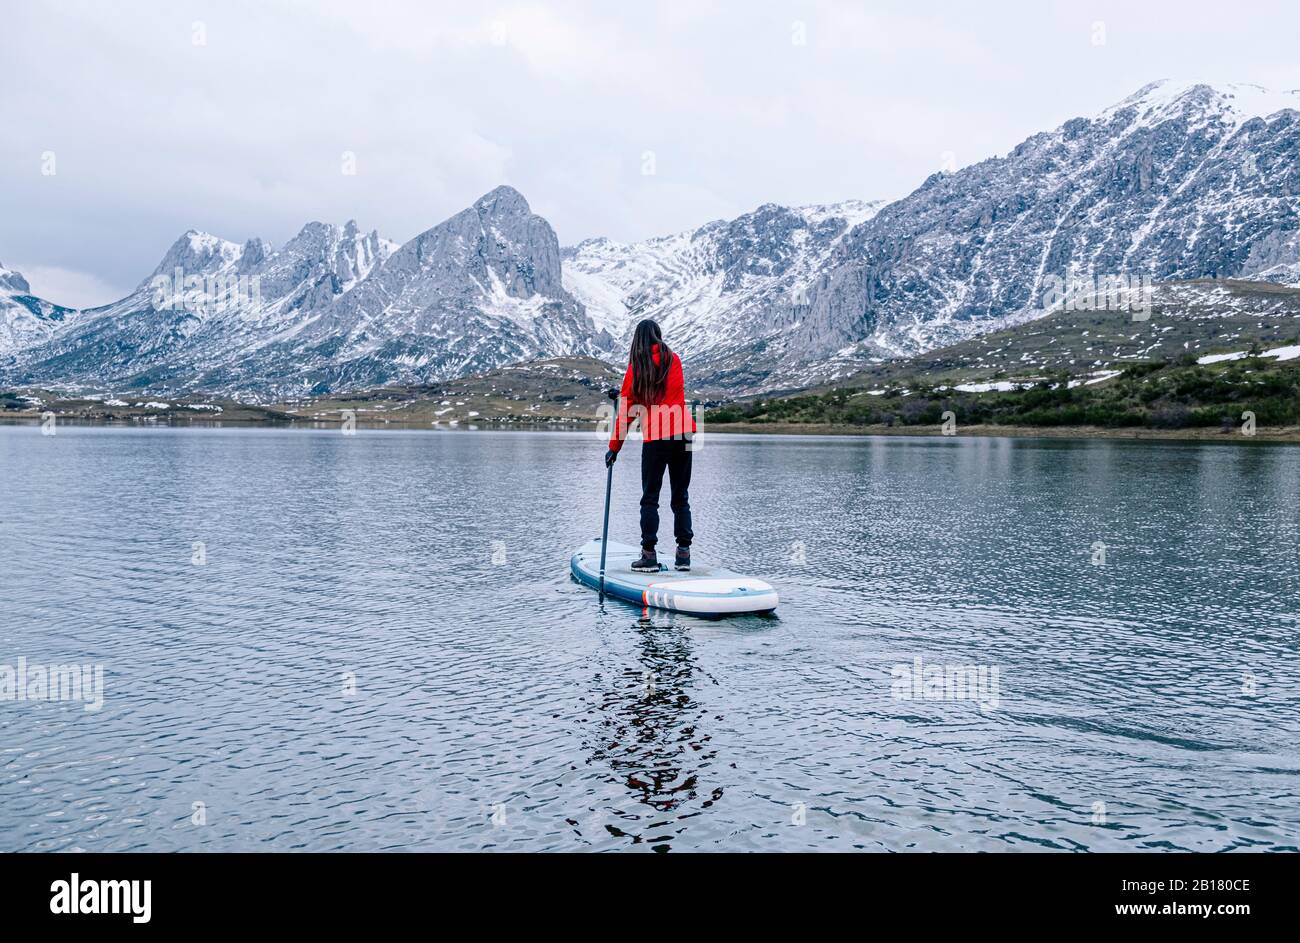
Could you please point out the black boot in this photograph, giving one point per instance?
(648, 563)
(683, 559)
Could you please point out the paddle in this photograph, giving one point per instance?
(609, 483)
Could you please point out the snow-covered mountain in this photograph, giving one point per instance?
(207, 305)
(719, 291)
(1179, 181)
(334, 308)
(25, 320)
(478, 291)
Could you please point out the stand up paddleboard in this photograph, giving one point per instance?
(702, 590)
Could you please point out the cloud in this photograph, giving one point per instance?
(243, 133)
(572, 49)
(69, 288)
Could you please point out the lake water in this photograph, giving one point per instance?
(319, 641)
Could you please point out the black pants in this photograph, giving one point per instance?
(670, 454)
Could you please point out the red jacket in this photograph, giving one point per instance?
(667, 418)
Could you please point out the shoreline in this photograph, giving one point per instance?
(1198, 434)
(1287, 434)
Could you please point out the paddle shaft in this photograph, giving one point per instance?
(609, 485)
(604, 530)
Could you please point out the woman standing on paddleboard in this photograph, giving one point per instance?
(654, 393)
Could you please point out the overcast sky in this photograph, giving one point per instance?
(234, 117)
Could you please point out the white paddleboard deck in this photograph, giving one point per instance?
(703, 590)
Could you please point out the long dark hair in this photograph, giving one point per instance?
(649, 379)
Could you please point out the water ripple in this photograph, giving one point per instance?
(380, 647)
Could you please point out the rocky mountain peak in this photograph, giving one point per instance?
(254, 253)
(196, 253)
(502, 201)
(1232, 104)
(11, 281)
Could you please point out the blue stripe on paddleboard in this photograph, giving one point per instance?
(612, 586)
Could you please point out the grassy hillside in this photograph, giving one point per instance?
(1156, 394)
(560, 390)
(1083, 368)
(1191, 317)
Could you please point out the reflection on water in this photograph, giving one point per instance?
(653, 736)
(378, 646)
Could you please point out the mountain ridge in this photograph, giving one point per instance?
(1181, 180)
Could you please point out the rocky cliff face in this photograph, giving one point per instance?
(1175, 182)
(477, 291)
